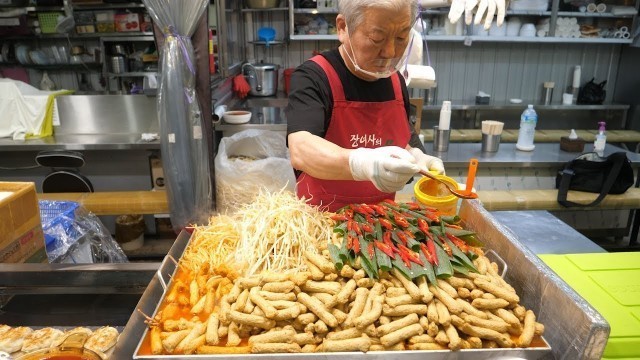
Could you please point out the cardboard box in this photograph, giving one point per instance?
(21, 238)
(127, 22)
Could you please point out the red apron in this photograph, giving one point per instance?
(356, 124)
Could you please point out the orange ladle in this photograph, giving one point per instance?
(471, 176)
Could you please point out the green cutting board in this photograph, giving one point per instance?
(610, 282)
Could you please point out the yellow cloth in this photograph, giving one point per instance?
(46, 126)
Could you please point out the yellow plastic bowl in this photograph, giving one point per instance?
(431, 193)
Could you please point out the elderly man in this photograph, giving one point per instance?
(349, 133)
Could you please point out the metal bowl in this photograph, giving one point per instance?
(262, 4)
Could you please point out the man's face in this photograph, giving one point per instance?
(379, 41)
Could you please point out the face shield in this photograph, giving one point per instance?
(381, 67)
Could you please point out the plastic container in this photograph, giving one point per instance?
(433, 194)
(528, 121)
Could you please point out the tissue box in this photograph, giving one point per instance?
(571, 145)
(21, 238)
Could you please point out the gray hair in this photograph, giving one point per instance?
(353, 10)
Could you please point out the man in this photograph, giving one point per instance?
(348, 125)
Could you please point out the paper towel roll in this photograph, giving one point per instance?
(602, 7)
(420, 77)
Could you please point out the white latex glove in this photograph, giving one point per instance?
(428, 162)
(389, 168)
(467, 6)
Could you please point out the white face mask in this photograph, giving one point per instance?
(386, 66)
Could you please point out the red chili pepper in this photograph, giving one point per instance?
(429, 256)
(353, 226)
(356, 245)
(360, 210)
(432, 216)
(385, 249)
(410, 254)
(367, 208)
(445, 246)
(370, 219)
(390, 202)
(458, 242)
(350, 241)
(453, 226)
(423, 226)
(386, 224)
(402, 237)
(400, 219)
(432, 249)
(339, 217)
(348, 213)
(409, 234)
(371, 250)
(366, 227)
(386, 238)
(404, 257)
(413, 206)
(380, 210)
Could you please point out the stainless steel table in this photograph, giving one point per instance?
(544, 233)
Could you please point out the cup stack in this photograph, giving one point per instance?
(491, 132)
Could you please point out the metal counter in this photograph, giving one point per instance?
(543, 233)
(81, 142)
(544, 155)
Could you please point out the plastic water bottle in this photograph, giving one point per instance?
(601, 139)
(528, 121)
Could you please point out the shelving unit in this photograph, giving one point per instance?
(552, 12)
(95, 43)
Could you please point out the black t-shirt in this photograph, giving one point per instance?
(311, 101)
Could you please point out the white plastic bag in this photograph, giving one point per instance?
(247, 162)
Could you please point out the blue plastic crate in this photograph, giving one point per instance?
(54, 213)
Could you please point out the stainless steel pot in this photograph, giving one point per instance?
(263, 78)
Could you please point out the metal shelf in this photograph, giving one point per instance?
(58, 67)
(315, 11)
(594, 14)
(314, 37)
(129, 36)
(133, 74)
(473, 38)
(459, 105)
(106, 6)
(264, 43)
(270, 9)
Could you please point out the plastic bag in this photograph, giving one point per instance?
(77, 236)
(592, 93)
(247, 162)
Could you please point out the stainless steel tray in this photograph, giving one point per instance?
(573, 329)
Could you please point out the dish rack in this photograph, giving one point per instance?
(48, 21)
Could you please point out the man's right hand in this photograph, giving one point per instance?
(389, 168)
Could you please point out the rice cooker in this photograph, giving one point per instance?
(263, 78)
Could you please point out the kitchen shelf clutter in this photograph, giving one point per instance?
(111, 40)
(541, 21)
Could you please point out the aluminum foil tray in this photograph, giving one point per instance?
(573, 329)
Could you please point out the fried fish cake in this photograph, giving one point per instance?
(41, 339)
(12, 340)
(102, 339)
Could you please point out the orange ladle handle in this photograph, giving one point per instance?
(471, 175)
